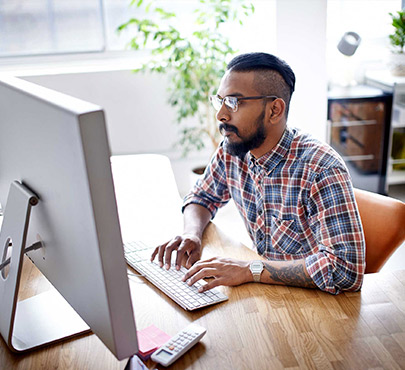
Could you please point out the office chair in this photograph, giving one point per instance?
(383, 220)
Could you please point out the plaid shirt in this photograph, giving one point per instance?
(297, 202)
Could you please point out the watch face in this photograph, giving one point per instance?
(256, 266)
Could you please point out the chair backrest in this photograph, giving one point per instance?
(383, 220)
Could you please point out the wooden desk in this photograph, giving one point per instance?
(259, 327)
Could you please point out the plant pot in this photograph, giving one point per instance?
(397, 64)
(196, 172)
(199, 170)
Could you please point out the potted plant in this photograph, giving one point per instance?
(194, 63)
(397, 40)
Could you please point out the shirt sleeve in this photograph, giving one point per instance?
(211, 189)
(339, 261)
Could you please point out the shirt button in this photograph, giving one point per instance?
(260, 212)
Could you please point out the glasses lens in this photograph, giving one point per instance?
(231, 102)
(216, 102)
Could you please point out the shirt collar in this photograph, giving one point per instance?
(272, 158)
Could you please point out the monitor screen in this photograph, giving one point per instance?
(57, 147)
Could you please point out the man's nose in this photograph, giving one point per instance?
(223, 114)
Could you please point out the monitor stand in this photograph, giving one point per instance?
(39, 320)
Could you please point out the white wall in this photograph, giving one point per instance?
(301, 42)
(138, 118)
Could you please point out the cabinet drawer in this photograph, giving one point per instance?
(357, 133)
(343, 112)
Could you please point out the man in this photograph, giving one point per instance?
(293, 192)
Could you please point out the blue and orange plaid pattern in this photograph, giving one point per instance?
(297, 202)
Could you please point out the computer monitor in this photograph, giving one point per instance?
(56, 147)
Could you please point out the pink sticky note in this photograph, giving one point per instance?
(149, 339)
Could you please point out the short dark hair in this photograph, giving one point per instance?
(274, 76)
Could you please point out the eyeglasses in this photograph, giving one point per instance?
(232, 102)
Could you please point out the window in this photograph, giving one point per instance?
(33, 27)
(49, 27)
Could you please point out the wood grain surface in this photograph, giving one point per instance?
(259, 327)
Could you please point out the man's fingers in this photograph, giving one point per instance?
(158, 251)
(200, 272)
(203, 273)
(183, 248)
(198, 266)
(223, 271)
(161, 251)
(192, 259)
(154, 253)
(212, 284)
(172, 245)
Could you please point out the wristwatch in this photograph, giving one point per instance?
(256, 268)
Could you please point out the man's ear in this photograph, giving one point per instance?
(276, 110)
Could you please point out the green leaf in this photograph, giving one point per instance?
(138, 3)
(164, 14)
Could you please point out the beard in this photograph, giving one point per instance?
(253, 141)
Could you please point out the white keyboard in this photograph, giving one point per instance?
(169, 282)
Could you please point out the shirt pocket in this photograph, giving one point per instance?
(284, 236)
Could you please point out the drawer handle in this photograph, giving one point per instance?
(354, 123)
(365, 157)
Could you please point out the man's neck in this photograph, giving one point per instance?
(271, 141)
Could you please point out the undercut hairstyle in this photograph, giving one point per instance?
(273, 76)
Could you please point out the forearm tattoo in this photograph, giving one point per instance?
(295, 275)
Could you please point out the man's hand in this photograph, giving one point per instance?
(225, 271)
(188, 247)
